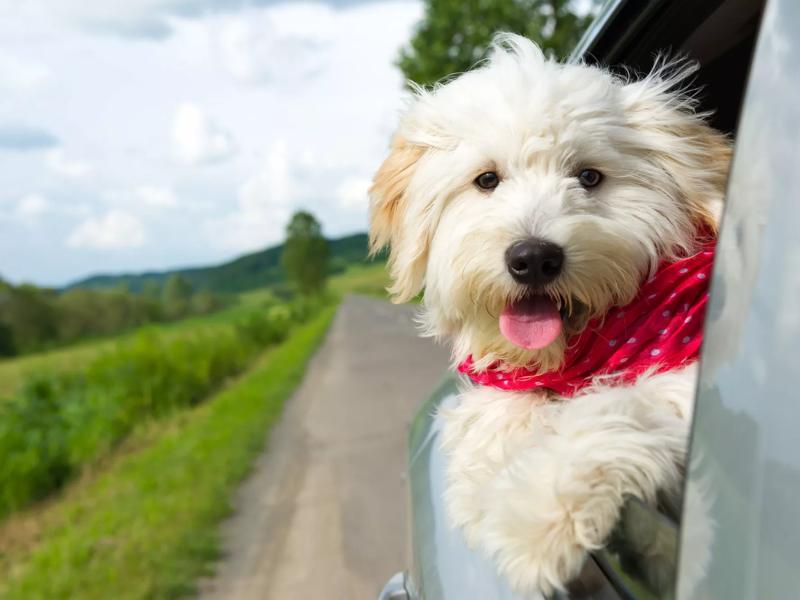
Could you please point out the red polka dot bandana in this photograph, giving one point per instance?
(661, 329)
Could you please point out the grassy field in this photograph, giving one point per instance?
(13, 371)
(137, 516)
(145, 525)
(370, 280)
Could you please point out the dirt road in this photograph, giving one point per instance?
(323, 513)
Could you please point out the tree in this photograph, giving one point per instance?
(29, 314)
(177, 296)
(305, 253)
(151, 289)
(7, 346)
(80, 314)
(455, 34)
(205, 302)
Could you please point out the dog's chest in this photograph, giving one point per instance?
(488, 428)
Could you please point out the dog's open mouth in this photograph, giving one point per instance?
(533, 322)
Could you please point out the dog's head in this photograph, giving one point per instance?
(528, 196)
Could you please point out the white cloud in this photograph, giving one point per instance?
(127, 18)
(157, 196)
(352, 193)
(19, 74)
(32, 206)
(261, 49)
(197, 138)
(155, 19)
(59, 163)
(115, 229)
(24, 138)
(273, 183)
(264, 203)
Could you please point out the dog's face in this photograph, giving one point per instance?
(527, 197)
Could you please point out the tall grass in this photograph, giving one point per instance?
(146, 527)
(58, 423)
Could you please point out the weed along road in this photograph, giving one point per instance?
(323, 513)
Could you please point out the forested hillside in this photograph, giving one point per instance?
(247, 272)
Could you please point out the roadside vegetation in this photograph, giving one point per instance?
(57, 423)
(368, 280)
(34, 318)
(119, 454)
(146, 525)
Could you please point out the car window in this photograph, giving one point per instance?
(641, 555)
(741, 532)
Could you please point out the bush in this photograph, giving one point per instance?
(34, 319)
(32, 443)
(56, 424)
(303, 307)
(7, 346)
(262, 328)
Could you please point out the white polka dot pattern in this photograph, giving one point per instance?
(660, 329)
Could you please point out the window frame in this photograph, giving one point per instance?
(630, 33)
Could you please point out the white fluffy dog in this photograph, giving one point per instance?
(530, 199)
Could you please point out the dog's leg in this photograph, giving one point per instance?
(562, 496)
(480, 436)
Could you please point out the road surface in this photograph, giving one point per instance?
(323, 513)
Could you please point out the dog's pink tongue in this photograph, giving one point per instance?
(531, 323)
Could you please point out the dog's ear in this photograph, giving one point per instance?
(694, 155)
(390, 222)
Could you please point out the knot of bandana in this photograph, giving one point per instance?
(660, 330)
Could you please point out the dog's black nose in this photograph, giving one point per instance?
(534, 261)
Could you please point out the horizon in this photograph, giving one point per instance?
(181, 268)
(182, 135)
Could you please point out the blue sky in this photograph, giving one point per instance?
(147, 134)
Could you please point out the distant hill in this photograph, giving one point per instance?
(241, 274)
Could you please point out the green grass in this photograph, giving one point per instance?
(256, 297)
(14, 371)
(370, 280)
(57, 425)
(146, 527)
(361, 279)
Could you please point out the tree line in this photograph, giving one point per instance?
(35, 318)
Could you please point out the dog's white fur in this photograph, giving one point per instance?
(534, 480)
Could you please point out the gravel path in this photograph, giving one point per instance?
(323, 513)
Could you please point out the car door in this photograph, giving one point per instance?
(741, 519)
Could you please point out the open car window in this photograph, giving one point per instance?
(641, 556)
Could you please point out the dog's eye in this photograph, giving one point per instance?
(488, 180)
(589, 178)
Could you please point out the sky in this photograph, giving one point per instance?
(149, 134)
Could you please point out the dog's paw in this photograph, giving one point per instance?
(539, 529)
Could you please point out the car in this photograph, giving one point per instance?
(738, 528)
